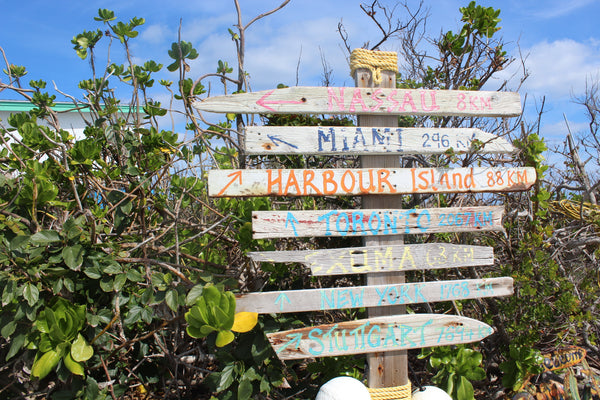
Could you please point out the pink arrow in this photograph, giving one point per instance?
(263, 102)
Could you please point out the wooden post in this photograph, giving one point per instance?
(390, 368)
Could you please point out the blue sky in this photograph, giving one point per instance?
(560, 41)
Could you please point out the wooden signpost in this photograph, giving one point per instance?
(372, 296)
(367, 222)
(365, 101)
(379, 334)
(348, 140)
(392, 258)
(387, 332)
(365, 181)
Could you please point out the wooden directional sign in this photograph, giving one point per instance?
(392, 258)
(368, 222)
(397, 332)
(346, 100)
(350, 181)
(374, 140)
(372, 296)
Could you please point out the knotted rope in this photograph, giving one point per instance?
(392, 393)
(374, 61)
(590, 213)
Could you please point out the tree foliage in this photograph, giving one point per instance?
(117, 271)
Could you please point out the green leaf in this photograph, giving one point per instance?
(73, 256)
(112, 268)
(226, 378)
(43, 365)
(193, 294)
(194, 317)
(44, 238)
(91, 389)
(207, 329)
(19, 242)
(119, 282)
(31, 293)
(133, 315)
(195, 332)
(224, 338)
(211, 294)
(172, 299)
(106, 284)
(72, 365)
(81, 350)
(15, 345)
(244, 389)
(464, 390)
(93, 272)
(8, 329)
(105, 15)
(134, 275)
(9, 292)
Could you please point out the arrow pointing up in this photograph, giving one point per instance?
(292, 220)
(263, 102)
(281, 299)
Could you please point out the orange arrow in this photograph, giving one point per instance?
(236, 175)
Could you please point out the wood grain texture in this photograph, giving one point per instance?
(390, 368)
(382, 258)
(366, 101)
(374, 222)
(380, 180)
(378, 334)
(349, 140)
(372, 296)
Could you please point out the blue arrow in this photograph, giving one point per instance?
(291, 219)
(296, 338)
(280, 299)
(275, 139)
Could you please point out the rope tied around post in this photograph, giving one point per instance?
(374, 61)
(391, 393)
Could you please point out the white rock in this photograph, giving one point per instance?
(343, 388)
(430, 393)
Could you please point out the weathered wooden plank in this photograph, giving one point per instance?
(371, 222)
(370, 140)
(372, 296)
(379, 334)
(347, 100)
(391, 368)
(390, 258)
(365, 181)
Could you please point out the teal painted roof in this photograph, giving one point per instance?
(19, 106)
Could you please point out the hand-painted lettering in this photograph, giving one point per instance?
(272, 182)
(339, 100)
(357, 99)
(314, 335)
(376, 336)
(326, 138)
(433, 106)
(387, 259)
(378, 101)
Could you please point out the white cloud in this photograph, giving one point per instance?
(557, 69)
(560, 8)
(156, 34)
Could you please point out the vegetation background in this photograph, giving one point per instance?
(117, 269)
